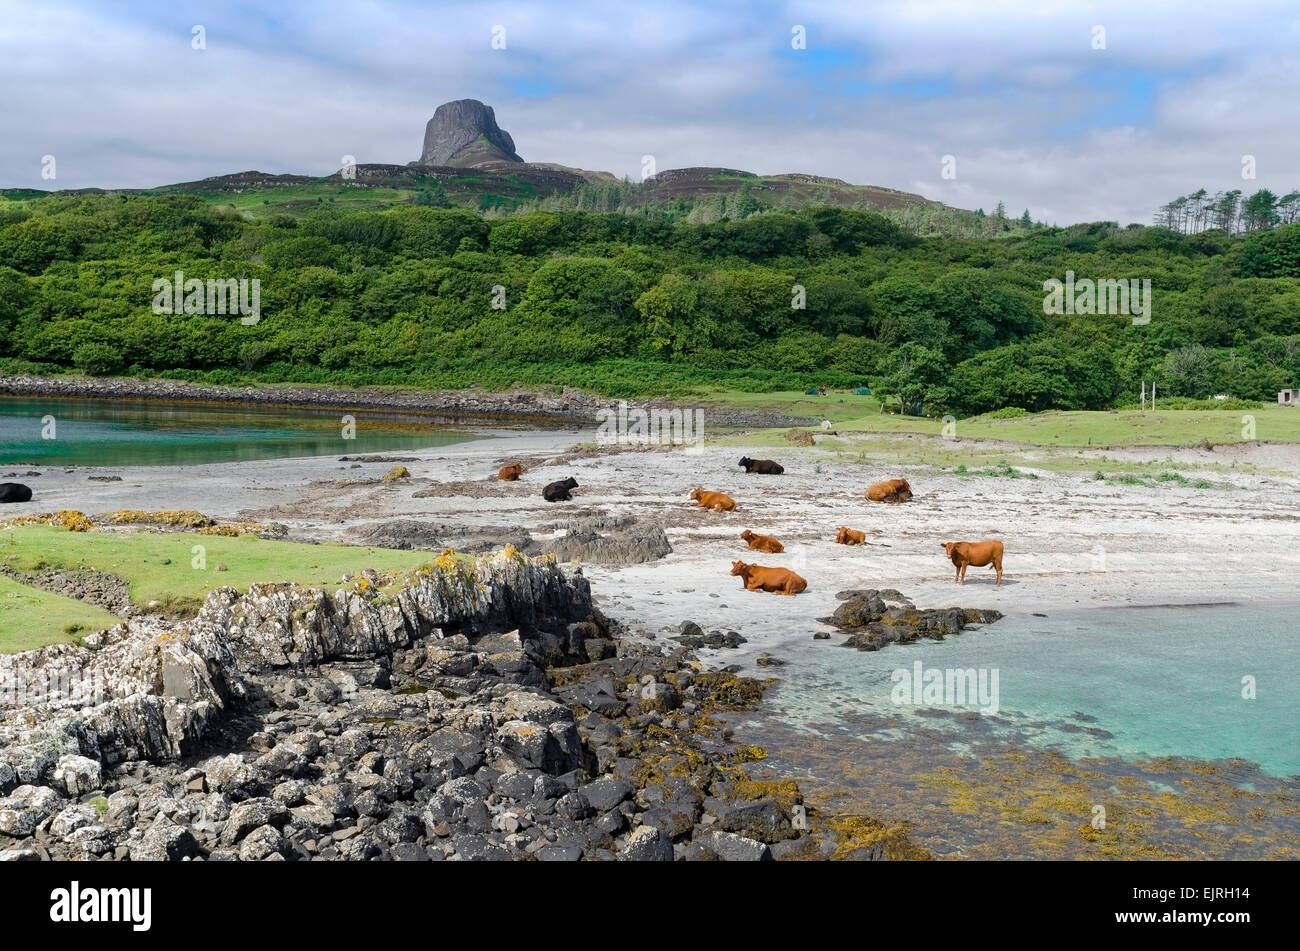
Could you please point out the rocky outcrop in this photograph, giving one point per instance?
(473, 711)
(400, 533)
(150, 689)
(608, 540)
(876, 618)
(465, 132)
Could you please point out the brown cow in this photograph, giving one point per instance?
(891, 490)
(850, 536)
(764, 543)
(777, 580)
(978, 554)
(716, 501)
(510, 473)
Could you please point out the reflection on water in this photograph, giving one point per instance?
(147, 432)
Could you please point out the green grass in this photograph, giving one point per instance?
(31, 618)
(138, 558)
(1102, 429)
(837, 406)
(1003, 471)
(1164, 477)
(300, 199)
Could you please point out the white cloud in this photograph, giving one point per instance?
(1035, 116)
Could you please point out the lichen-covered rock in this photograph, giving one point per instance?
(25, 808)
(249, 815)
(647, 844)
(730, 847)
(76, 775)
(164, 841)
(262, 843)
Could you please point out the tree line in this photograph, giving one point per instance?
(635, 304)
(1227, 211)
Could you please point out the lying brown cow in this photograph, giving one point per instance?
(510, 473)
(850, 536)
(716, 501)
(762, 542)
(891, 490)
(759, 578)
(978, 554)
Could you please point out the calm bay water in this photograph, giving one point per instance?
(152, 433)
(1138, 712)
(1123, 682)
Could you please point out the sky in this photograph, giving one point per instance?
(1075, 111)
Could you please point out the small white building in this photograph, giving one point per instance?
(1288, 398)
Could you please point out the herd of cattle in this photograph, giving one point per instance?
(783, 580)
(755, 577)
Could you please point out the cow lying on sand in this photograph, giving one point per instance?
(761, 466)
(850, 536)
(716, 501)
(978, 554)
(759, 578)
(891, 490)
(764, 543)
(510, 473)
(559, 491)
(15, 492)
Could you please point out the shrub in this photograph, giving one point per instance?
(96, 359)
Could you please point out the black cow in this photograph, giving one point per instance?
(559, 491)
(762, 466)
(15, 492)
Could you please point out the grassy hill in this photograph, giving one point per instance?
(693, 194)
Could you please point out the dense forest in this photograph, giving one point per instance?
(636, 304)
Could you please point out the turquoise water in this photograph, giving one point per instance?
(1127, 682)
(152, 433)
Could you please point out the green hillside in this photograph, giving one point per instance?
(637, 303)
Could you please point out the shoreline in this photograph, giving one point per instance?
(571, 404)
(1073, 545)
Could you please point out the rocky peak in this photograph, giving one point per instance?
(465, 132)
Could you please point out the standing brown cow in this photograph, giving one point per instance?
(776, 580)
(978, 554)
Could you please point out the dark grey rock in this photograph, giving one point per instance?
(477, 848)
(606, 793)
(560, 852)
(456, 127)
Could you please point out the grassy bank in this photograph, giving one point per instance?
(160, 566)
(1100, 429)
(31, 618)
